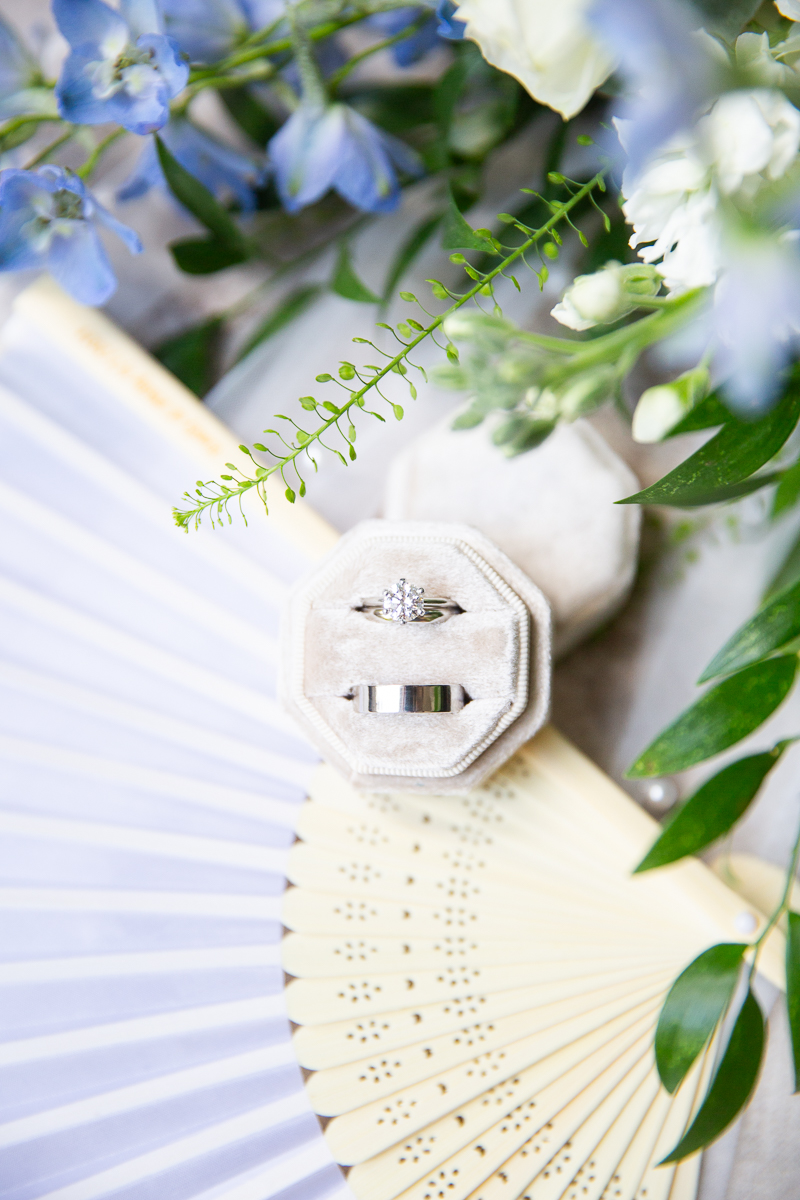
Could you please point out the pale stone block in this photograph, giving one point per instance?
(552, 510)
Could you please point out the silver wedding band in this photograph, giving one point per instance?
(408, 697)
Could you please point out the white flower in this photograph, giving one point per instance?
(687, 242)
(545, 44)
(750, 133)
(789, 8)
(658, 411)
(605, 296)
(754, 55)
(660, 408)
(748, 138)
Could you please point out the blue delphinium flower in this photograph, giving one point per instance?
(122, 67)
(411, 48)
(335, 147)
(756, 320)
(222, 169)
(20, 80)
(670, 74)
(263, 13)
(449, 25)
(49, 220)
(206, 30)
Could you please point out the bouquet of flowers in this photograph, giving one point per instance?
(686, 217)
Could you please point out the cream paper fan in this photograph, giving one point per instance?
(477, 982)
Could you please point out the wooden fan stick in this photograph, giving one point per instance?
(508, 1116)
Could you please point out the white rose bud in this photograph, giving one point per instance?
(479, 328)
(608, 294)
(661, 408)
(586, 392)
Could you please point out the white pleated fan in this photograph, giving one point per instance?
(476, 978)
(149, 785)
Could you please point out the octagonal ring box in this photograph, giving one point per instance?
(497, 648)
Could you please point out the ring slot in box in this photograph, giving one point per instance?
(497, 649)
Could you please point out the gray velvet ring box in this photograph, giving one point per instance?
(498, 648)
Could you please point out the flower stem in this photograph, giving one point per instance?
(221, 497)
(99, 150)
(782, 906)
(314, 91)
(43, 155)
(271, 49)
(336, 78)
(258, 74)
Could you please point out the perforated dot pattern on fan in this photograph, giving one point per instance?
(487, 1031)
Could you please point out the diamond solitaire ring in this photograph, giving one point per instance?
(408, 697)
(406, 604)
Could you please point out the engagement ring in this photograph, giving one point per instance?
(406, 604)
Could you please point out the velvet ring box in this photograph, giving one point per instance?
(498, 648)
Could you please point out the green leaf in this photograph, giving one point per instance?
(733, 491)
(788, 572)
(519, 433)
(408, 252)
(17, 134)
(793, 989)
(346, 283)
(712, 810)
(727, 459)
(447, 93)
(251, 116)
(191, 355)
(732, 1084)
(457, 234)
(709, 413)
(723, 716)
(788, 491)
(695, 1003)
(291, 307)
(468, 419)
(204, 256)
(727, 17)
(195, 196)
(776, 624)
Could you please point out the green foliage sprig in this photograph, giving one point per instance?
(757, 668)
(214, 498)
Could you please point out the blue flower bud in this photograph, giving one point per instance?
(320, 148)
(223, 170)
(49, 220)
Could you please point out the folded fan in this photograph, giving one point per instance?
(478, 979)
(149, 784)
(493, 946)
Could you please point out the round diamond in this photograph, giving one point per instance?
(403, 602)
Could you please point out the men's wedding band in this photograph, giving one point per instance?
(409, 697)
(405, 604)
